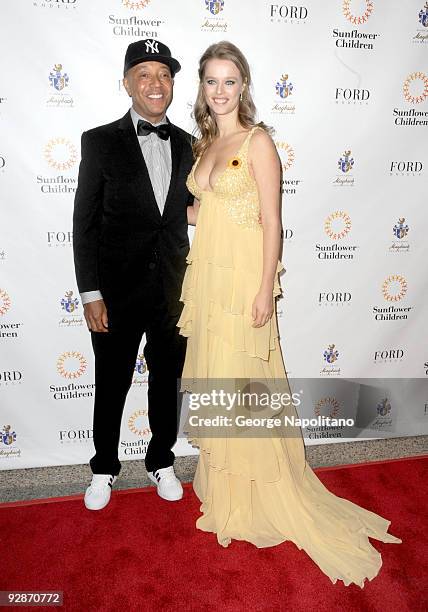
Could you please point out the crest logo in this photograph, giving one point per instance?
(135, 6)
(328, 405)
(338, 217)
(357, 19)
(418, 78)
(60, 154)
(218, 24)
(138, 430)
(140, 377)
(5, 302)
(423, 16)
(384, 407)
(57, 79)
(287, 151)
(71, 364)
(214, 6)
(346, 162)
(331, 355)
(400, 230)
(284, 87)
(140, 364)
(152, 46)
(69, 303)
(397, 282)
(7, 436)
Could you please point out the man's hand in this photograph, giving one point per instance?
(96, 316)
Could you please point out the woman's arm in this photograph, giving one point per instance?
(192, 212)
(265, 165)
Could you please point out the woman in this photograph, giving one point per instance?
(260, 490)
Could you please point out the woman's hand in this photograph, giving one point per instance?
(262, 308)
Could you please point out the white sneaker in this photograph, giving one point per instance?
(169, 487)
(98, 493)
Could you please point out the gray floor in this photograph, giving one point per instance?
(38, 483)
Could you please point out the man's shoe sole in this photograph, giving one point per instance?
(100, 508)
(169, 498)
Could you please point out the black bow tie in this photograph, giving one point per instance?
(144, 128)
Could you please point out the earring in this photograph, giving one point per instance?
(240, 97)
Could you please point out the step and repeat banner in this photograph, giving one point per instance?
(345, 85)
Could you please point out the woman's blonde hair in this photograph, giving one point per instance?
(204, 117)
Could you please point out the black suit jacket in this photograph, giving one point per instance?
(120, 239)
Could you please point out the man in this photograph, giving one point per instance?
(130, 247)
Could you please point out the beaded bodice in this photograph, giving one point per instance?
(235, 188)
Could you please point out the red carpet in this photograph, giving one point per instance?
(142, 553)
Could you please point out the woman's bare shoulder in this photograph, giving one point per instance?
(261, 143)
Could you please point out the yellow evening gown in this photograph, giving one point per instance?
(261, 490)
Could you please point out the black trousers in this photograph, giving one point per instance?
(115, 357)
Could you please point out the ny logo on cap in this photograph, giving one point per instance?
(152, 46)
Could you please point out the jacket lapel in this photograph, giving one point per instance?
(176, 149)
(136, 160)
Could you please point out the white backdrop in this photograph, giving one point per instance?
(345, 86)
